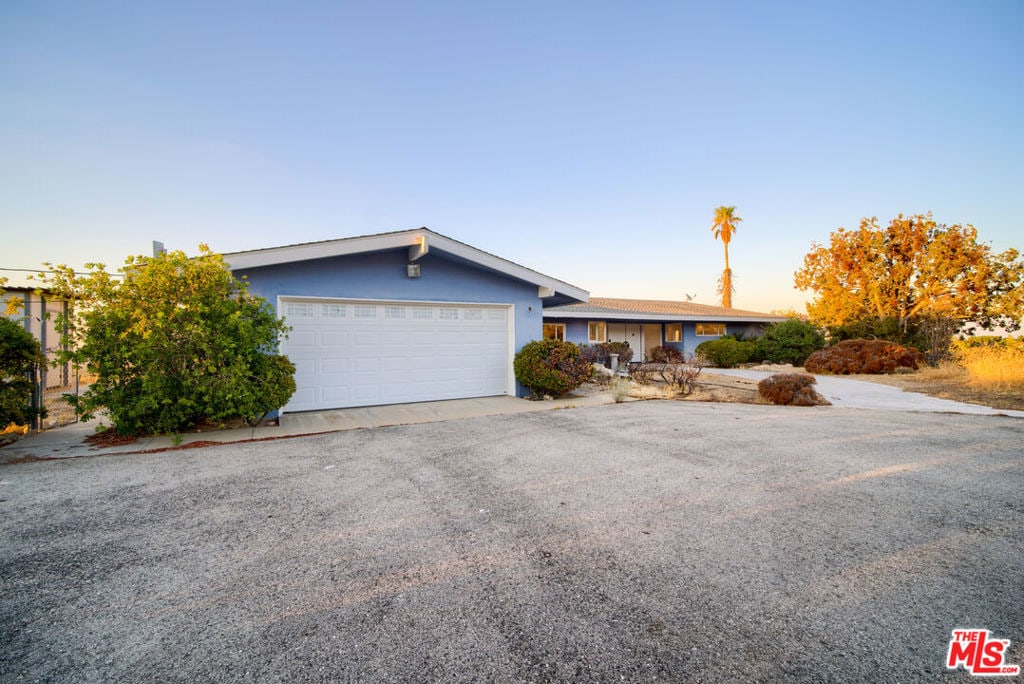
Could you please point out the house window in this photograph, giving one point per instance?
(674, 332)
(597, 331)
(710, 329)
(554, 331)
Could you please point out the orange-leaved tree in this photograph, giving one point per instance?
(910, 271)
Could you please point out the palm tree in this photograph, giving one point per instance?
(722, 228)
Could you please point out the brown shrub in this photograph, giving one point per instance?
(791, 389)
(666, 354)
(863, 356)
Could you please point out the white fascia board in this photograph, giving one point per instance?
(662, 318)
(412, 239)
(321, 250)
(495, 263)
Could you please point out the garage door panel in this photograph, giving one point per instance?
(304, 367)
(391, 364)
(365, 365)
(364, 337)
(336, 393)
(333, 366)
(360, 354)
(302, 339)
(332, 338)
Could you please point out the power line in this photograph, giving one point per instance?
(43, 270)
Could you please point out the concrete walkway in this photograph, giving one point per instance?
(861, 394)
(69, 441)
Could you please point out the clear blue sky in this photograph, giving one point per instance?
(588, 140)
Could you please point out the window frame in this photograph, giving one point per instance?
(700, 326)
(673, 327)
(593, 326)
(559, 331)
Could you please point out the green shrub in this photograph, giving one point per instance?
(551, 367)
(790, 341)
(864, 356)
(726, 352)
(20, 357)
(791, 389)
(174, 343)
(907, 334)
(666, 354)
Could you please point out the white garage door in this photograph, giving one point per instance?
(359, 353)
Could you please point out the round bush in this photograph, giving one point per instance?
(551, 367)
(726, 352)
(790, 341)
(863, 356)
(791, 389)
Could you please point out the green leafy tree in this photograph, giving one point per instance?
(173, 342)
(723, 227)
(913, 271)
(20, 358)
(790, 341)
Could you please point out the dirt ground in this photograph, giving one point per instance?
(708, 387)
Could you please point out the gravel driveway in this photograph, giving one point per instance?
(643, 541)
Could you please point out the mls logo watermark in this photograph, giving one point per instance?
(979, 653)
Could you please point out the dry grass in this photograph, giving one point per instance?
(953, 381)
(994, 367)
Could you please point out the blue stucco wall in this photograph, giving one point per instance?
(382, 275)
(576, 331)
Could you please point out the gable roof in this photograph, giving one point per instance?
(613, 308)
(419, 242)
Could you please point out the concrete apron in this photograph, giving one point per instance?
(69, 441)
(425, 412)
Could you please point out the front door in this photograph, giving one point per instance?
(652, 338)
(629, 333)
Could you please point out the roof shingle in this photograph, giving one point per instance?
(659, 307)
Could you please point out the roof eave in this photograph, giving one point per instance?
(659, 317)
(422, 238)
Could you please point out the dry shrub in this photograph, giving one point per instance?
(791, 389)
(666, 354)
(679, 376)
(864, 356)
(621, 388)
(641, 373)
